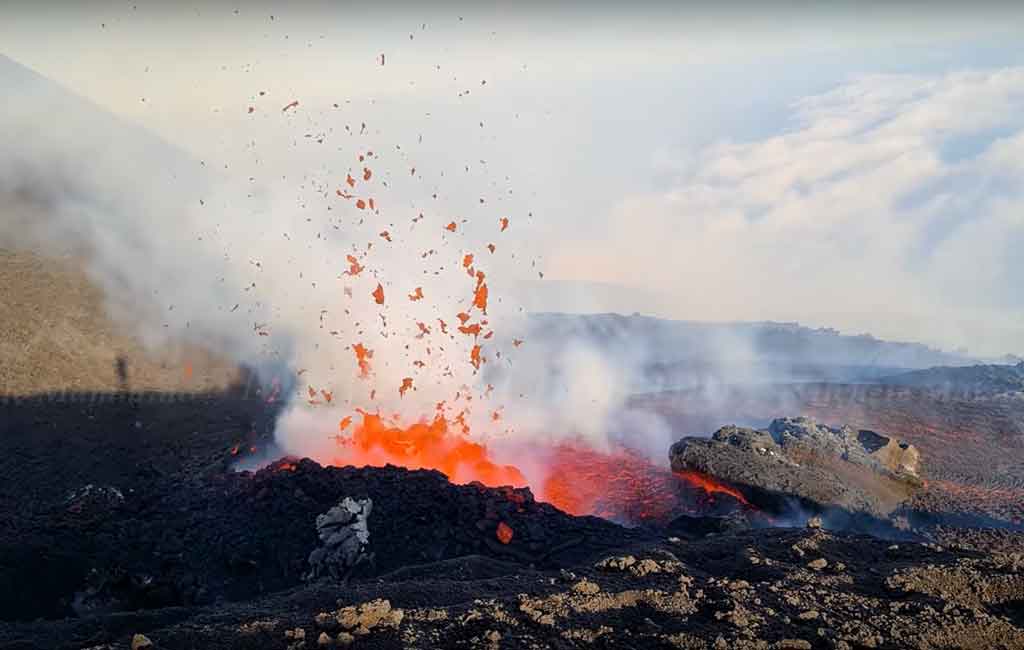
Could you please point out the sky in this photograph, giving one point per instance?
(847, 165)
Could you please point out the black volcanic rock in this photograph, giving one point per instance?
(228, 551)
(235, 536)
(857, 471)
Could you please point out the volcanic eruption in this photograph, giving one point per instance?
(419, 393)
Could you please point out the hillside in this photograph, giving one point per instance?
(55, 335)
(765, 341)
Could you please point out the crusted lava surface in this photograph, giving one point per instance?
(821, 467)
(163, 534)
(127, 518)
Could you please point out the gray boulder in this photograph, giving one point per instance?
(856, 470)
(344, 534)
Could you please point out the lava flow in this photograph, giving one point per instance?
(623, 485)
(618, 485)
(711, 486)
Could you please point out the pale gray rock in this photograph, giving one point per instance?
(344, 540)
(857, 470)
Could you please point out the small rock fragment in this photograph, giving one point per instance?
(367, 616)
(617, 563)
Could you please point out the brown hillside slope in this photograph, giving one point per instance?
(55, 335)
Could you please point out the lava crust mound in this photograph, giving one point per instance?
(858, 471)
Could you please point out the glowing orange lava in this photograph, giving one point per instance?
(363, 357)
(619, 484)
(354, 267)
(480, 297)
(504, 533)
(475, 358)
(433, 445)
(623, 485)
(710, 485)
(406, 385)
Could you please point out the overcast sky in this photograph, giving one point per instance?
(853, 166)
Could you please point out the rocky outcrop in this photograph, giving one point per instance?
(858, 471)
(345, 537)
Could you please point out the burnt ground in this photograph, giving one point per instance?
(172, 544)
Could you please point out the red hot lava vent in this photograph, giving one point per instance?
(621, 485)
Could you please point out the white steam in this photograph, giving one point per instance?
(257, 270)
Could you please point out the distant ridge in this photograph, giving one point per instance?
(976, 380)
(764, 341)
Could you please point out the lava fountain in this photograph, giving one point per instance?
(619, 484)
(424, 445)
(434, 337)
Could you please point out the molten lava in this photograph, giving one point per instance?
(624, 486)
(354, 267)
(475, 358)
(423, 445)
(619, 485)
(504, 533)
(363, 357)
(711, 486)
(406, 385)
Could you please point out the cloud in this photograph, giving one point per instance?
(891, 204)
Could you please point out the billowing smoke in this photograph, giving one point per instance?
(75, 180)
(185, 252)
(289, 277)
